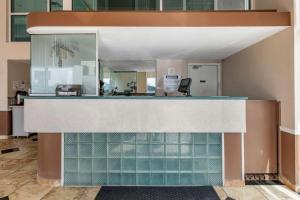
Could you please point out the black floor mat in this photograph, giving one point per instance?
(157, 193)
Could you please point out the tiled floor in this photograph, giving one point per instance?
(18, 180)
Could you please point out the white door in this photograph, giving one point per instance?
(204, 79)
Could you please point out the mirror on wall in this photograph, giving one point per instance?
(130, 78)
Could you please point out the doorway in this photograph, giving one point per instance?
(205, 79)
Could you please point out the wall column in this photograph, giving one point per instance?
(67, 4)
(49, 158)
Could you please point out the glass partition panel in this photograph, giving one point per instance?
(18, 28)
(128, 77)
(147, 5)
(233, 4)
(200, 4)
(123, 81)
(56, 5)
(90, 5)
(63, 59)
(121, 5)
(172, 4)
(25, 6)
(84, 5)
(151, 82)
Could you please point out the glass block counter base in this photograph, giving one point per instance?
(142, 159)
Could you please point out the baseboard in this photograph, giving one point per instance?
(234, 183)
(5, 137)
(48, 182)
(290, 131)
(290, 185)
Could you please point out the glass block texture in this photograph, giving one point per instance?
(142, 159)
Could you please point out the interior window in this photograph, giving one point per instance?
(121, 5)
(18, 28)
(56, 5)
(200, 4)
(24, 6)
(172, 4)
(18, 17)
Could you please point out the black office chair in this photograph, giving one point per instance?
(185, 86)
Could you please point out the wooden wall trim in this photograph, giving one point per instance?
(159, 19)
(49, 156)
(5, 123)
(261, 143)
(232, 150)
(288, 157)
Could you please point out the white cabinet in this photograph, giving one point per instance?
(18, 121)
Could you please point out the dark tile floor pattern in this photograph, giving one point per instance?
(262, 182)
(157, 193)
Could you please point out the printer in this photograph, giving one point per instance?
(68, 90)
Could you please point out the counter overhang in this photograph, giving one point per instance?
(137, 115)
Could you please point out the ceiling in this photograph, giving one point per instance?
(131, 43)
(120, 44)
(130, 65)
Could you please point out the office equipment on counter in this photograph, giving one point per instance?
(68, 90)
(101, 88)
(171, 83)
(19, 99)
(185, 85)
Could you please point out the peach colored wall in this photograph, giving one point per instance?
(288, 155)
(17, 71)
(232, 151)
(297, 64)
(297, 80)
(264, 71)
(280, 5)
(271, 70)
(261, 137)
(8, 51)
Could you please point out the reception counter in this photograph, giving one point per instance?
(138, 140)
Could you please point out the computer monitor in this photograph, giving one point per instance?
(185, 85)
